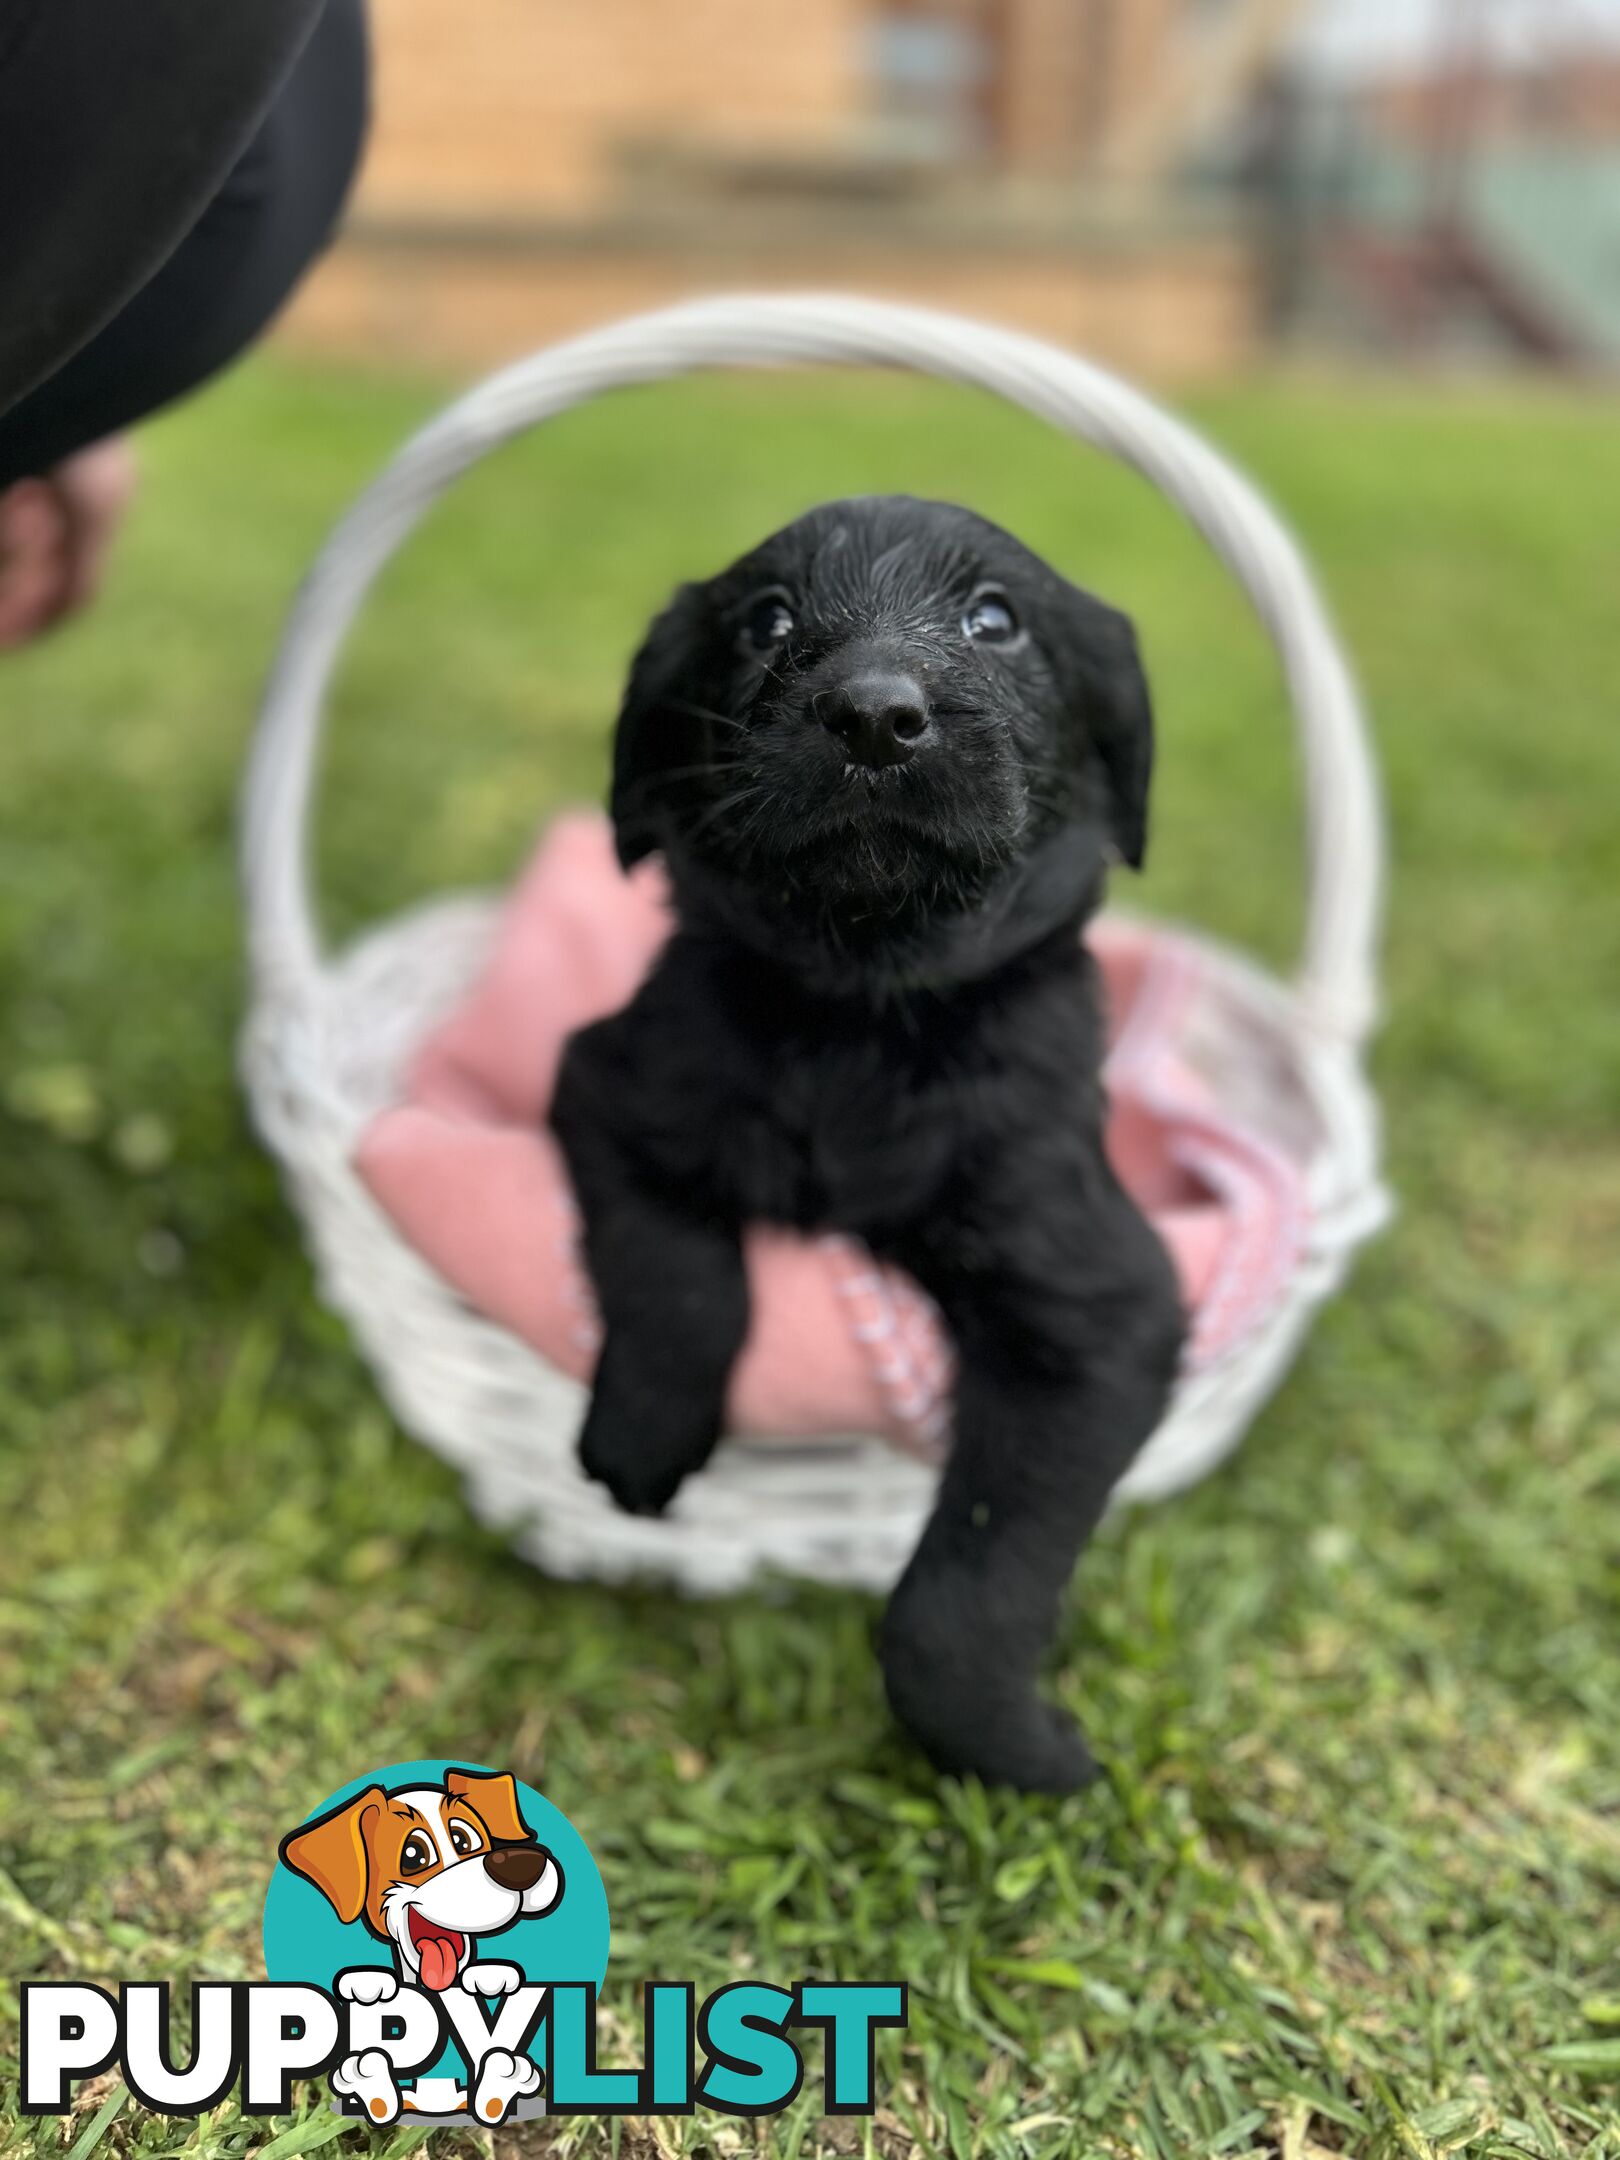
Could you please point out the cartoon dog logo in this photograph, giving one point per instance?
(430, 1870)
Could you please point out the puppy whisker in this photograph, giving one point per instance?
(649, 783)
(724, 806)
(707, 712)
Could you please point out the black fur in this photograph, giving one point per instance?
(876, 1016)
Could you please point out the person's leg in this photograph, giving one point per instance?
(231, 273)
(118, 125)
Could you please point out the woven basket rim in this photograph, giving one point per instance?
(488, 1402)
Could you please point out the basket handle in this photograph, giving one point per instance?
(1337, 984)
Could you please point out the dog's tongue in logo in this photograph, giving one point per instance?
(441, 1951)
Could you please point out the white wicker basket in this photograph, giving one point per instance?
(329, 1036)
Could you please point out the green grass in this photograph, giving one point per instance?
(1351, 1883)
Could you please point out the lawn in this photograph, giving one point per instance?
(1351, 1883)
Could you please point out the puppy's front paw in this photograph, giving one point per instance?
(503, 2078)
(491, 1979)
(367, 1984)
(1044, 1751)
(642, 1464)
(369, 2079)
(1034, 1748)
(974, 1720)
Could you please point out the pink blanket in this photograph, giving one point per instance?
(468, 1171)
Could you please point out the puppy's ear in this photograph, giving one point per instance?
(495, 1802)
(1116, 714)
(659, 731)
(331, 1853)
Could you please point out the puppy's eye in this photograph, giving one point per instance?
(768, 622)
(416, 1854)
(990, 619)
(461, 1838)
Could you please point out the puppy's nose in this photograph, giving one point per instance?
(515, 1867)
(877, 715)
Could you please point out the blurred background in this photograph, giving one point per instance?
(1177, 184)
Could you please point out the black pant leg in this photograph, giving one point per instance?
(229, 275)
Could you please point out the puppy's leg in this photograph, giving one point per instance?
(675, 1309)
(674, 1305)
(1068, 1323)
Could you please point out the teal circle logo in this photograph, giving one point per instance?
(442, 1880)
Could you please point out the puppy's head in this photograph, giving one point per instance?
(881, 709)
(429, 1868)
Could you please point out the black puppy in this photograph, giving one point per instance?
(886, 757)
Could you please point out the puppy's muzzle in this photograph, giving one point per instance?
(515, 1867)
(878, 714)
